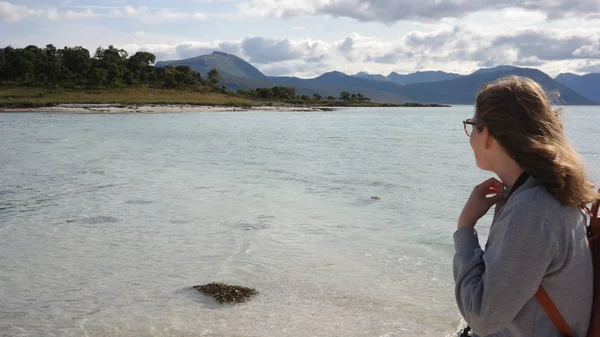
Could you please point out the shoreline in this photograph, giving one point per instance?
(158, 108)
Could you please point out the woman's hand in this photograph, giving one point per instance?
(479, 204)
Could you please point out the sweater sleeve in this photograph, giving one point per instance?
(492, 287)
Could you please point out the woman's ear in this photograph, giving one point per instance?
(489, 139)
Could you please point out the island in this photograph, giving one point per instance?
(73, 80)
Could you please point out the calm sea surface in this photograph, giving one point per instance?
(106, 221)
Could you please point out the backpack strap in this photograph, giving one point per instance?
(552, 312)
(542, 296)
(593, 230)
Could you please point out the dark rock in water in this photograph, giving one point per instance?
(225, 293)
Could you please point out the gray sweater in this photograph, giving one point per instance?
(533, 240)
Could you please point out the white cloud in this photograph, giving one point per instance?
(72, 15)
(269, 50)
(588, 51)
(193, 49)
(212, 1)
(546, 44)
(10, 12)
(148, 14)
(589, 67)
(94, 6)
(520, 15)
(389, 11)
(456, 49)
(263, 50)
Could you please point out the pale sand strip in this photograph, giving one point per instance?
(121, 108)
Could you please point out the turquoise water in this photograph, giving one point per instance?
(106, 221)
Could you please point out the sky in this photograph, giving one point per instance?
(306, 38)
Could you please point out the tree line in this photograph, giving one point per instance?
(346, 96)
(288, 93)
(110, 67)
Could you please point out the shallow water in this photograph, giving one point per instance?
(106, 221)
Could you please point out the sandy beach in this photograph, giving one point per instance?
(151, 108)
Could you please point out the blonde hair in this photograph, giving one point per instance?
(519, 115)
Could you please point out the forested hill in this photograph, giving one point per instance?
(76, 67)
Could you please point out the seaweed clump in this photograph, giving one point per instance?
(225, 293)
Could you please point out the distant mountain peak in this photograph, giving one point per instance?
(586, 85)
(422, 76)
(224, 54)
(565, 78)
(364, 73)
(228, 65)
(335, 72)
(497, 68)
(568, 74)
(431, 72)
(375, 77)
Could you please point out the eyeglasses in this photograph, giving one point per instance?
(468, 125)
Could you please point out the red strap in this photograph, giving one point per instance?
(552, 312)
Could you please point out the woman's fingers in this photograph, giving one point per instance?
(491, 186)
(492, 182)
(492, 190)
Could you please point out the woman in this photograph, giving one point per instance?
(538, 234)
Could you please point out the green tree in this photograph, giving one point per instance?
(77, 61)
(167, 76)
(281, 92)
(2, 65)
(344, 96)
(214, 76)
(317, 96)
(113, 61)
(331, 98)
(98, 77)
(264, 93)
(140, 65)
(52, 67)
(184, 69)
(26, 60)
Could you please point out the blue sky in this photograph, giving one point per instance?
(308, 37)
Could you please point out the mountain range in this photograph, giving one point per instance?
(587, 85)
(423, 86)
